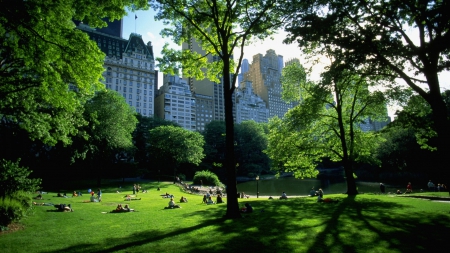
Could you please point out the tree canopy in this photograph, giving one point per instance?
(325, 123)
(42, 53)
(141, 138)
(111, 122)
(251, 140)
(175, 145)
(403, 39)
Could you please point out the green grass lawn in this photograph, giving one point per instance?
(365, 223)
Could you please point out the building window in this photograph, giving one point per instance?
(130, 96)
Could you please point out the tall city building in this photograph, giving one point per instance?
(129, 68)
(265, 75)
(210, 104)
(244, 69)
(175, 102)
(375, 125)
(247, 105)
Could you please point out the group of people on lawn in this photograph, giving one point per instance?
(207, 199)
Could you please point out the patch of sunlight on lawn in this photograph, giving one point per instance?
(382, 246)
(252, 229)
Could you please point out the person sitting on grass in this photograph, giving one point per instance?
(93, 199)
(127, 208)
(204, 199)
(283, 196)
(320, 195)
(312, 192)
(219, 199)
(409, 188)
(74, 194)
(183, 199)
(210, 201)
(244, 196)
(247, 208)
(172, 205)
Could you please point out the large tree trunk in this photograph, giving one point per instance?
(230, 163)
(351, 184)
(442, 127)
(441, 123)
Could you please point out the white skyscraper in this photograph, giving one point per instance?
(248, 105)
(176, 103)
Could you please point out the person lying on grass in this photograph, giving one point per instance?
(172, 205)
(129, 198)
(167, 195)
(64, 208)
(120, 209)
(42, 204)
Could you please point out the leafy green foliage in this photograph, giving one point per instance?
(14, 207)
(325, 123)
(207, 178)
(108, 135)
(251, 140)
(111, 121)
(14, 178)
(214, 135)
(411, 140)
(49, 69)
(141, 137)
(404, 39)
(175, 145)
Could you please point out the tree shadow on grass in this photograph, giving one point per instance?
(296, 225)
(373, 225)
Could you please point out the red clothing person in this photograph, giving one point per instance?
(409, 188)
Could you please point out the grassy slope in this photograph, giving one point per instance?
(365, 223)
